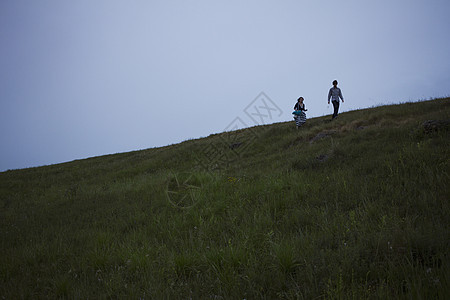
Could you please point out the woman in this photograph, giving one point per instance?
(299, 112)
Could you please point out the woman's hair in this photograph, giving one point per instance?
(335, 82)
(301, 98)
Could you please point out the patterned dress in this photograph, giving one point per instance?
(300, 119)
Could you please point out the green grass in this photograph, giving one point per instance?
(356, 208)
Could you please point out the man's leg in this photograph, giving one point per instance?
(336, 108)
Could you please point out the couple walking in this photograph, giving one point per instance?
(299, 108)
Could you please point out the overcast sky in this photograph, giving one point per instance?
(92, 77)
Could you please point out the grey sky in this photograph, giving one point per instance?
(92, 77)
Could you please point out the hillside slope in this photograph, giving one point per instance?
(353, 208)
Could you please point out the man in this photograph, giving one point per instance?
(334, 94)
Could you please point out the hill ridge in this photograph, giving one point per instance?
(353, 208)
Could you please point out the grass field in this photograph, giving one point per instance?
(356, 208)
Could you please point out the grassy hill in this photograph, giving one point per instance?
(354, 208)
